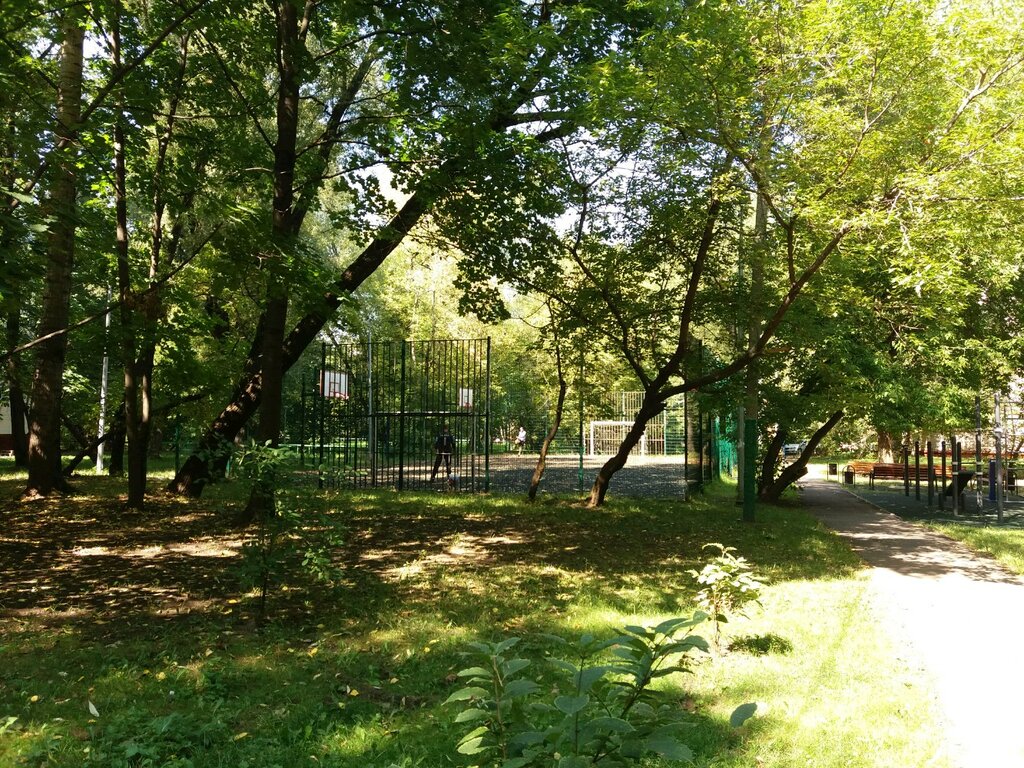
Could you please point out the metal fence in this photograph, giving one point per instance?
(370, 415)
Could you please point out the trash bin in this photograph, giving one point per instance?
(848, 475)
(833, 469)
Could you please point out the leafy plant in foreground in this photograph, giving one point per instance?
(290, 525)
(605, 711)
(728, 583)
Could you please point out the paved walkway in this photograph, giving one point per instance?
(959, 616)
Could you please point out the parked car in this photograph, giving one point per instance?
(792, 449)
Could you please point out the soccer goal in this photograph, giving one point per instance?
(607, 436)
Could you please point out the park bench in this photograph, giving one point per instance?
(886, 472)
(880, 471)
(860, 467)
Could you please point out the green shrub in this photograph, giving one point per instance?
(727, 584)
(292, 526)
(602, 711)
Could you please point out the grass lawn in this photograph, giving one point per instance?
(1005, 544)
(131, 640)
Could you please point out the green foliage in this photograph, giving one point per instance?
(601, 710)
(727, 584)
(295, 527)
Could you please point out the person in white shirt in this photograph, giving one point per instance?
(521, 439)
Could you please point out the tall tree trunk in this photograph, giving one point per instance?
(116, 443)
(563, 387)
(12, 301)
(19, 412)
(652, 405)
(127, 303)
(44, 425)
(275, 314)
(798, 468)
(885, 449)
(771, 458)
(538, 471)
(752, 396)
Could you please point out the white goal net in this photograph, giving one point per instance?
(606, 437)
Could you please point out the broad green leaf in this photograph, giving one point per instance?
(518, 688)
(669, 747)
(525, 739)
(470, 715)
(572, 761)
(504, 645)
(512, 666)
(475, 733)
(639, 631)
(464, 694)
(473, 742)
(564, 665)
(671, 625)
(474, 672)
(742, 713)
(472, 747)
(609, 725)
(586, 678)
(632, 748)
(570, 705)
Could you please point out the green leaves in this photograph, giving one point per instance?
(571, 705)
(600, 708)
(466, 694)
(669, 747)
(728, 584)
(742, 713)
(473, 742)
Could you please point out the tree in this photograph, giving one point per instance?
(44, 422)
(465, 137)
(827, 138)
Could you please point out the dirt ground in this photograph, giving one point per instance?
(955, 614)
(651, 477)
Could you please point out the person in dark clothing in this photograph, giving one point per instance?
(444, 447)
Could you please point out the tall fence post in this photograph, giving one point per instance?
(906, 469)
(977, 448)
(322, 402)
(997, 429)
(302, 424)
(957, 459)
(487, 422)
(402, 418)
(917, 469)
(931, 474)
(942, 488)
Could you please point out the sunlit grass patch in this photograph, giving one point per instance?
(840, 695)
(1005, 544)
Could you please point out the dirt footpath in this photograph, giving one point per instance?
(958, 616)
